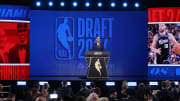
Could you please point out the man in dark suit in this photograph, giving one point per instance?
(164, 94)
(84, 91)
(97, 69)
(98, 46)
(65, 92)
(20, 52)
(2, 47)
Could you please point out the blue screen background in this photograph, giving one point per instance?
(128, 45)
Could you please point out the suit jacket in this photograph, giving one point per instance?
(96, 48)
(66, 93)
(14, 54)
(83, 92)
(1, 60)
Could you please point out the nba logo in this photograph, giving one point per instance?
(64, 48)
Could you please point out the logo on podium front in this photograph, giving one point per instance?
(98, 66)
(64, 38)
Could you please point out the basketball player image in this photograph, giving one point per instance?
(161, 45)
(20, 52)
(64, 35)
(4, 47)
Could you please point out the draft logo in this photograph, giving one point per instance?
(64, 38)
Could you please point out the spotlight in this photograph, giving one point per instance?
(113, 4)
(87, 4)
(68, 83)
(41, 83)
(88, 83)
(38, 3)
(99, 4)
(53, 96)
(21, 83)
(125, 4)
(50, 3)
(75, 4)
(176, 83)
(132, 83)
(62, 4)
(110, 84)
(137, 5)
(153, 83)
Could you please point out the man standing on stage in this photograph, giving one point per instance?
(20, 52)
(98, 46)
(161, 45)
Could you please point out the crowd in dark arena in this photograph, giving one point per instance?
(166, 91)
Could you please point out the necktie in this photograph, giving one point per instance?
(98, 45)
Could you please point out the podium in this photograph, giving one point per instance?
(97, 64)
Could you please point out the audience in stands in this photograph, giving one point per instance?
(103, 99)
(41, 97)
(36, 89)
(65, 92)
(168, 92)
(113, 95)
(98, 91)
(123, 94)
(93, 87)
(131, 95)
(1, 90)
(93, 97)
(80, 98)
(140, 92)
(29, 95)
(84, 91)
(11, 97)
(164, 94)
(45, 90)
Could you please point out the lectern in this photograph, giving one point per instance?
(97, 64)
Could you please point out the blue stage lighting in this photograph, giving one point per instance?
(153, 83)
(88, 83)
(110, 84)
(137, 5)
(131, 84)
(87, 4)
(41, 83)
(62, 4)
(50, 3)
(176, 83)
(68, 83)
(21, 83)
(125, 4)
(38, 3)
(113, 4)
(75, 4)
(99, 4)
